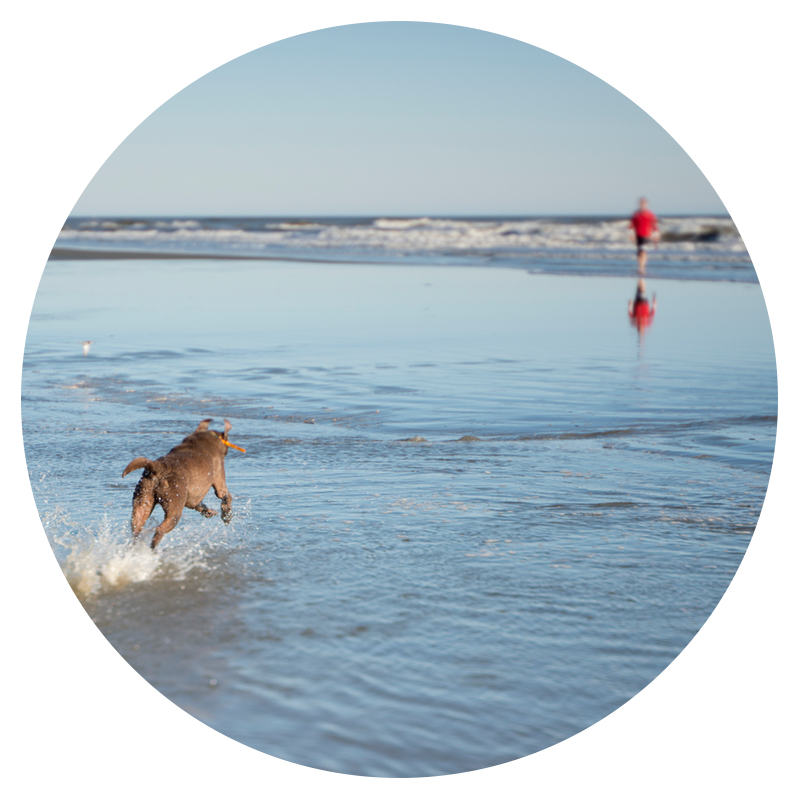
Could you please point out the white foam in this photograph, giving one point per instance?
(419, 236)
(100, 557)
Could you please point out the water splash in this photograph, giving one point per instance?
(99, 557)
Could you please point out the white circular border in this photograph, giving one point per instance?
(79, 76)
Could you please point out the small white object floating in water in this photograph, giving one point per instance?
(86, 346)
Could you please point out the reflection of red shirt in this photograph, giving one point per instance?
(642, 314)
(644, 223)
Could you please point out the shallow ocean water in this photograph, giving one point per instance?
(392, 598)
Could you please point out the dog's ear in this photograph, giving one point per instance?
(228, 426)
(203, 426)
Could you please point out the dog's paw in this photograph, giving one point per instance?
(209, 512)
(227, 514)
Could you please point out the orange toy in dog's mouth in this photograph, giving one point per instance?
(234, 446)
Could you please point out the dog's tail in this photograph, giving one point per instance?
(142, 463)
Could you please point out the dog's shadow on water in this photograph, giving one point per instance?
(100, 557)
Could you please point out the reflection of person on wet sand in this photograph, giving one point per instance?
(640, 310)
(644, 224)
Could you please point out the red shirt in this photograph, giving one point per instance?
(644, 223)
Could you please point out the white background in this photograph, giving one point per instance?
(720, 77)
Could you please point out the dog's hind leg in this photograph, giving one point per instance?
(143, 503)
(171, 519)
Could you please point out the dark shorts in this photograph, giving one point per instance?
(641, 243)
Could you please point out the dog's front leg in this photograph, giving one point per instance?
(221, 491)
(205, 510)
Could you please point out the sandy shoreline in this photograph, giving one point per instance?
(77, 254)
(93, 254)
(539, 266)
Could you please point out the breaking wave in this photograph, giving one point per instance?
(708, 244)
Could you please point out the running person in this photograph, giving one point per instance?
(645, 229)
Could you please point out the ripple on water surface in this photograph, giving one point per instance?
(466, 527)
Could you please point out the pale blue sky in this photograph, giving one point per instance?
(397, 119)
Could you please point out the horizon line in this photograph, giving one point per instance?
(517, 215)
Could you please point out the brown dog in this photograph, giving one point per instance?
(181, 479)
